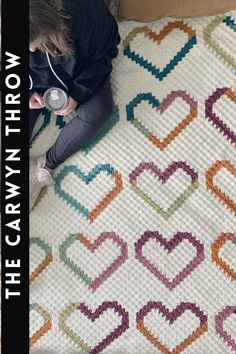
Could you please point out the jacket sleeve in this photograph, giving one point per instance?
(96, 41)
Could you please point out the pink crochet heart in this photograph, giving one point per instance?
(219, 323)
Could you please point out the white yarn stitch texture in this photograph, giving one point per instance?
(124, 147)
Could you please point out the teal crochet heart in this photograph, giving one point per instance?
(158, 38)
(90, 215)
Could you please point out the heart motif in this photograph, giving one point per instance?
(92, 247)
(214, 46)
(169, 246)
(92, 316)
(219, 323)
(90, 215)
(215, 249)
(171, 317)
(161, 108)
(163, 178)
(44, 328)
(45, 262)
(214, 119)
(211, 173)
(158, 38)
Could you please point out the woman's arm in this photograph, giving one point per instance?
(96, 40)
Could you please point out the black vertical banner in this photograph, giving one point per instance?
(14, 177)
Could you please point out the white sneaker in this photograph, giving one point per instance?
(37, 162)
(39, 177)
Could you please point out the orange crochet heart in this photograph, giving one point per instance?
(215, 249)
(211, 173)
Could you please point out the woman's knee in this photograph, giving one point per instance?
(99, 108)
(105, 112)
(99, 113)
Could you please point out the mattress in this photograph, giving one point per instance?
(133, 250)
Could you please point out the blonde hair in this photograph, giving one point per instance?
(47, 19)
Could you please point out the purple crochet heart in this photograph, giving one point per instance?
(169, 246)
(219, 323)
(214, 119)
(97, 313)
(163, 177)
(171, 317)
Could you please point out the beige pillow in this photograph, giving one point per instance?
(150, 10)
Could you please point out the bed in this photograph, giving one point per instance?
(133, 250)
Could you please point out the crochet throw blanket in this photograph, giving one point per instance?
(133, 250)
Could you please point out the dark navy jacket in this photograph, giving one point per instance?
(95, 37)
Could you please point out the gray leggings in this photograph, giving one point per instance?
(82, 129)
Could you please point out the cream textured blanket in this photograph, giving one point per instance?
(133, 250)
